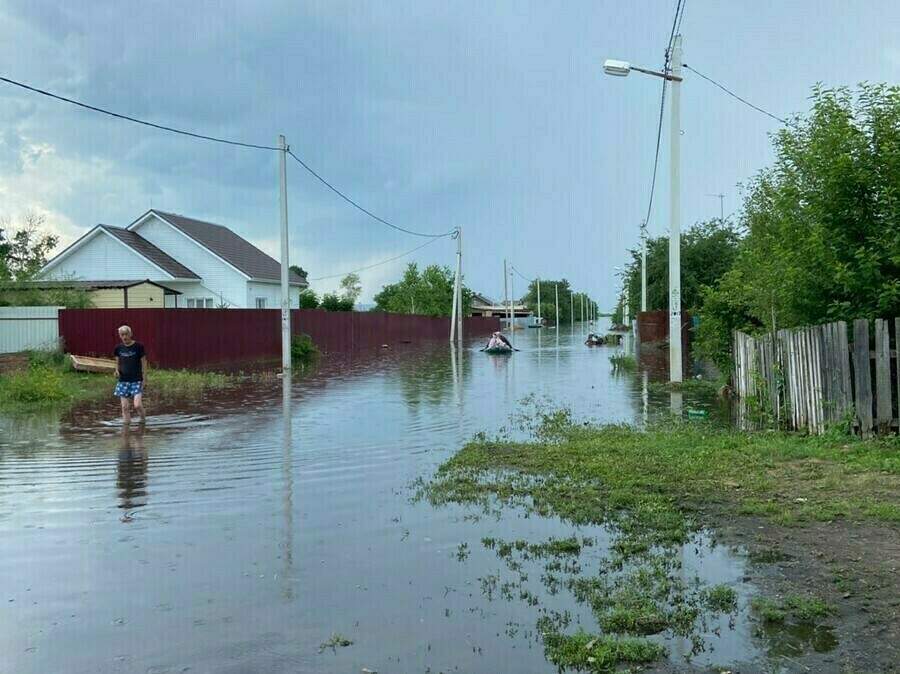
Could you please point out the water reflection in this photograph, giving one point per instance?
(131, 470)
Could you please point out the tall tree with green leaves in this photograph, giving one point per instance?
(24, 250)
(822, 223)
(428, 293)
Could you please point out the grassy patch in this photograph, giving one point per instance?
(801, 609)
(653, 479)
(586, 652)
(336, 641)
(50, 381)
(622, 361)
(302, 348)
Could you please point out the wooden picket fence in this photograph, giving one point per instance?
(815, 377)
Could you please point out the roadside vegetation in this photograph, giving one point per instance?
(51, 381)
(815, 238)
(654, 490)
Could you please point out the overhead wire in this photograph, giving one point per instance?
(357, 206)
(731, 93)
(213, 139)
(135, 120)
(378, 264)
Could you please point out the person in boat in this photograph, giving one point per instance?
(498, 340)
(131, 371)
(593, 340)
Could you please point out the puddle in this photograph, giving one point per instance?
(247, 539)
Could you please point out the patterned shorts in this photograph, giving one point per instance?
(128, 389)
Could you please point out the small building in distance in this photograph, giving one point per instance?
(136, 294)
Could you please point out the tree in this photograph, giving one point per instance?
(708, 251)
(429, 293)
(822, 223)
(334, 302)
(308, 299)
(351, 288)
(548, 301)
(299, 271)
(24, 251)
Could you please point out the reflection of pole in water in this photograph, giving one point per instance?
(286, 465)
(645, 395)
(456, 371)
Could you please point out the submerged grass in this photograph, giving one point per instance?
(652, 488)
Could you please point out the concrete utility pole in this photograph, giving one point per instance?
(506, 292)
(556, 317)
(644, 267)
(457, 312)
(539, 300)
(285, 269)
(572, 309)
(675, 373)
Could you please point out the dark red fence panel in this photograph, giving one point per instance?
(654, 326)
(214, 338)
(177, 338)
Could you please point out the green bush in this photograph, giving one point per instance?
(37, 385)
(302, 347)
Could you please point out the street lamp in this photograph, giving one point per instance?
(621, 69)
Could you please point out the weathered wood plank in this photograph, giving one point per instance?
(883, 404)
(847, 399)
(862, 378)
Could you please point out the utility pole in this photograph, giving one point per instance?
(572, 309)
(721, 198)
(556, 317)
(539, 300)
(644, 266)
(675, 373)
(285, 269)
(456, 313)
(506, 293)
(460, 313)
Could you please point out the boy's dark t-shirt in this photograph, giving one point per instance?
(130, 361)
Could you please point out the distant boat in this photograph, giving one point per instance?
(88, 364)
(498, 350)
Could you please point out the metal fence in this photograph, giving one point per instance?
(807, 379)
(226, 338)
(28, 328)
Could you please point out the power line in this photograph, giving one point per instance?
(378, 264)
(520, 274)
(214, 139)
(730, 93)
(134, 119)
(357, 206)
(676, 26)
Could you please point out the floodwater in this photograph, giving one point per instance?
(282, 516)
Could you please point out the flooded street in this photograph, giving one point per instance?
(247, 539)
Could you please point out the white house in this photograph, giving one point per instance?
(209, 265)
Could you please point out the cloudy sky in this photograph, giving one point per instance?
(494, 116)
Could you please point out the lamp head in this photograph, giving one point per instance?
(616, 68)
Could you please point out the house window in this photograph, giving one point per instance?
(260, 302)
(200, 303)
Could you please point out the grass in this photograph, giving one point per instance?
(801, 609)
(652, 488)
(50, 381)
(336, 641)
(622, 361)
(654, 479)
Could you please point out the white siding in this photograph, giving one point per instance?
(104, 258)
(26, 328)
(219, 278)
(193, 289)
(272, 293)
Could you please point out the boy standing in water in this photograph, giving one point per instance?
(131, 370)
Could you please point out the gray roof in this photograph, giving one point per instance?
(95, 285)
(143, 247)
(238, 252)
